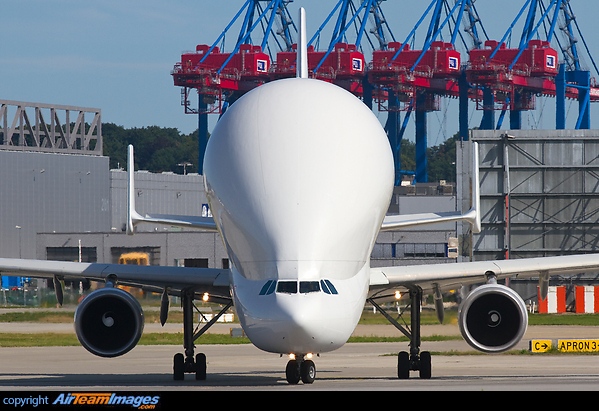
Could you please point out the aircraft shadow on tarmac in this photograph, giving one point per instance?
(136, 380)
(160, 381)
(276, 379)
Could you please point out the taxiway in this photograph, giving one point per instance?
(355, 366)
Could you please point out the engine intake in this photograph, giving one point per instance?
(493, 318)
(109, 322)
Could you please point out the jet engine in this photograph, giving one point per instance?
(493, 318)
(109, 322)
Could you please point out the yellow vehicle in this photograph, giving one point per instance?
(134, 259)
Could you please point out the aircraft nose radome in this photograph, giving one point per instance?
(303, 334)
(301, 329)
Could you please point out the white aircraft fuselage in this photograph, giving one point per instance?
(299, 175)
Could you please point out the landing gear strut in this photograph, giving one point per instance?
(300, 368)
(414, 360)
(187, 363)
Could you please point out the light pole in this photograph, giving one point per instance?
(185, 165)
(18, 227)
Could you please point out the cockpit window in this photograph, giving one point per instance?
(328, 287)
(268, 288)
(291, 287)
(309, 287)
(288, 287)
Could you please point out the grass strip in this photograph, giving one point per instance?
(428, 317)
(57, 317)
(370, 339)
(69, 340)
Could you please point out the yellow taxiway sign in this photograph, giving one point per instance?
(540, 345)
(578, 345)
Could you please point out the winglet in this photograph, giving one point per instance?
(133, 217)
(302, 47)
(402, 221)
(473, 215)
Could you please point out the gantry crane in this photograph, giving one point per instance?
(400, 78)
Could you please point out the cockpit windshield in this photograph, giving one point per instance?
(291, 287)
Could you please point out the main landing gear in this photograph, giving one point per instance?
(300, 368)
(414, 360)
(187, 363)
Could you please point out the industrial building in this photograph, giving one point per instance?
(539, 198)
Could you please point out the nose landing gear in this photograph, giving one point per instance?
(300, 368)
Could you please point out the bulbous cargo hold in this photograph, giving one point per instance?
(296, 183)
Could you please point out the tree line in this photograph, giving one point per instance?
(159, 149)
(440, 159)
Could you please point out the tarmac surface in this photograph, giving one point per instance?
(354, 367)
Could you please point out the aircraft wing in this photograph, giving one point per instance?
(148, 277)
(453, 275)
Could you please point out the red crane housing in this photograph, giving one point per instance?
(244, 71)
(436, 71)
(344, 66)
(440, 61)
(532, 74)
(537, 60)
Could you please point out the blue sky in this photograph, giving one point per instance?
(117, 55)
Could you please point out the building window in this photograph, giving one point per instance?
(88, 254)
(387, 251)
(196, 262)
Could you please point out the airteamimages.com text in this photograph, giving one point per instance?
(141, 402)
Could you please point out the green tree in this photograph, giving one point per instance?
(162, 149)
(441, 160)
(157, 149)
(408, 155)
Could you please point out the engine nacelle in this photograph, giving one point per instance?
(493, 318)
(109, 322)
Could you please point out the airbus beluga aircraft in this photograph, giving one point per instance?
(299, 176)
